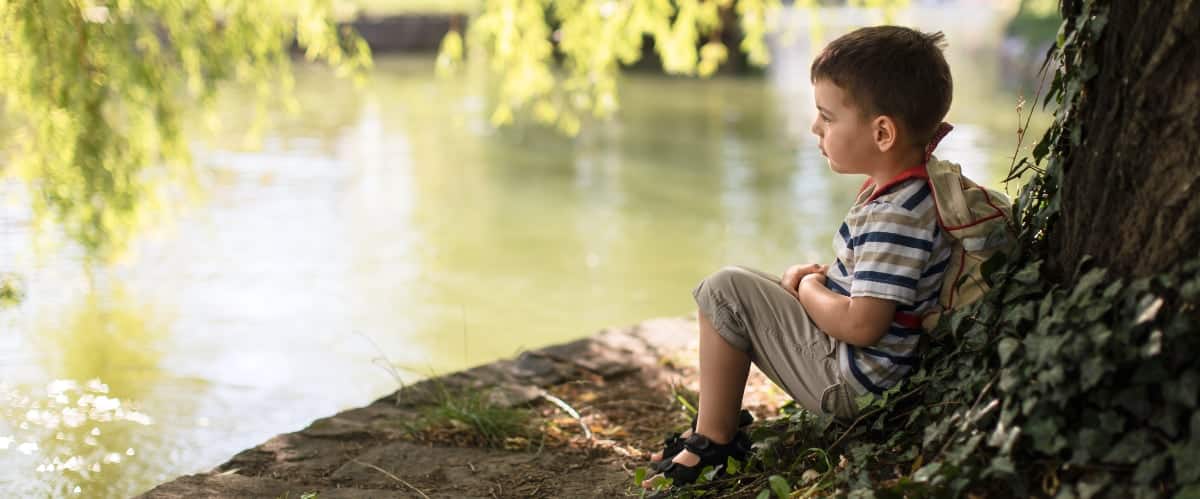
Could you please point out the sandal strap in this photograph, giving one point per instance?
(704, 447)
(710, 453)
(673, 442)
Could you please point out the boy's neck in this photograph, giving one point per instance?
(891, 164)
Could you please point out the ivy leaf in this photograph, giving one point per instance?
(927, 472)
(1006, 348)
(1149, 469)
(1001, 465)
(1055, 91)
(1021, 313)
(1093, 484)
(1090, 443)
(1187, 454)
(1098, 22)
(1045, 433)
(1112, 421)
(1087, 282)
(780, 486)
(1093, 369)
(709, 473)
(763, 494)
(1190, 290)
(1029, 274)
(1132, 448)
(1189, 492)
(1183, 390)
(990, 266)
(732, 466)
(1096, 310)
(1004, 438)
(639, 476)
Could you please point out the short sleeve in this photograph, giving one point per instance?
(892, 247)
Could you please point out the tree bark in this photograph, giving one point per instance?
(1130, 188)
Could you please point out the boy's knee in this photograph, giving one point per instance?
(727, 280)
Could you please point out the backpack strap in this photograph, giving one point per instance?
(943, 128)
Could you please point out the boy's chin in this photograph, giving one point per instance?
(836, 167)
(843, 169)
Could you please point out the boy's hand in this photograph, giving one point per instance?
(793, 275)
(818, 277)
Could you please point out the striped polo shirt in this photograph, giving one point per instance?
(889, 247)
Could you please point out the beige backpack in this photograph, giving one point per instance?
(978, 221)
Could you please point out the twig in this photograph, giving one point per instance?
(978, 399)
(393, 477)
(384, 362)
(656, 405)
(587, 432)
(866, 415)
(1037, 96)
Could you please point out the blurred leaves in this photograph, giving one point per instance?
(95, 94)
(558, 60)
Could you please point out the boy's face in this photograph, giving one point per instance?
(845, 134)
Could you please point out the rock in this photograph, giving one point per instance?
(220, 485)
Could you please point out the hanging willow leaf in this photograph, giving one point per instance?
(96, 93)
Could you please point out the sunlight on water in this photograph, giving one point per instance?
(64, 429)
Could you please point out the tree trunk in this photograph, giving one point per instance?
(1130, 188)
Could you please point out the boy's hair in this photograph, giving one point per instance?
(893, 71)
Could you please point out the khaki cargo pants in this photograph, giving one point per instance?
(754, 313)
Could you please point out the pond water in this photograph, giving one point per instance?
(388, 233)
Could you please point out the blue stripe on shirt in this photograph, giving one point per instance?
(886, 278)
(862, 378)
(895, 359)
(920, 303)
(841, 267)
(902, 332)
(893, 238)
(916, 198)
(844, 231)
(835, 287)
(940, 267)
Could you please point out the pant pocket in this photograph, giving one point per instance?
(839, 401)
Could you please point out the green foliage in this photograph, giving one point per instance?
(1036, 21)
(11, 292)
(557, 60)
(96, 94)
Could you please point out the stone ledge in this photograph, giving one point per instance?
(327, 456)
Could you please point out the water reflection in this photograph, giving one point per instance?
(81, 432)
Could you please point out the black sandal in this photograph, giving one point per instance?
(673, 443)
(711, 454)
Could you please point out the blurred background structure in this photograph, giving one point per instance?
(393, 222)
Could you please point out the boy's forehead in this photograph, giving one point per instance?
(830, 96)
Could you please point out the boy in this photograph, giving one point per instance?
(829, 333)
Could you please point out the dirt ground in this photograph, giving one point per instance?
(622, 382)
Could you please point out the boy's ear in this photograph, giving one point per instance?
(883, 131)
